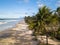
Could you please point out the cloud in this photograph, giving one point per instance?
(58, 3)
(20, 14)
(39, 3)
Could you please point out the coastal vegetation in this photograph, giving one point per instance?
(45, 22)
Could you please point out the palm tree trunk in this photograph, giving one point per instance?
(46, 38)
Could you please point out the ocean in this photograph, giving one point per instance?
(5, 24)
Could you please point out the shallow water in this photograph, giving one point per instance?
(5, 24)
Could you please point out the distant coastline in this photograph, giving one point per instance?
(9, 18)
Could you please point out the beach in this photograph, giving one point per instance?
(20, 34)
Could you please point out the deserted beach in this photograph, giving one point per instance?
(29, 22)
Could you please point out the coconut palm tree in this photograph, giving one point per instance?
(43, 18)
(41, 21)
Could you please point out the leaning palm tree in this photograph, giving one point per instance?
(43, 18)
(41, 21)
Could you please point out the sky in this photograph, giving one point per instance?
(21, 8)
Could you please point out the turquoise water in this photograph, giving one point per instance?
(8, 24)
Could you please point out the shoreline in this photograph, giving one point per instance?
(2, 23)
(19, 30)
(15, 25)
(9, 25)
